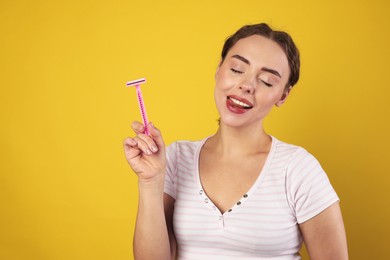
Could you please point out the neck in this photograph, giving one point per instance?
(233, 142)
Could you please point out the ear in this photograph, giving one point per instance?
(284, 97)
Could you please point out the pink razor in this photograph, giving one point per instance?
(137, 84)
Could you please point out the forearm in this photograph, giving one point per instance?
(151, 240)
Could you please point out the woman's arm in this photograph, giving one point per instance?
(169, 206)
(153, 236)
(146, 156)
(324, 235)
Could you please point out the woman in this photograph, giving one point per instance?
(241, 193)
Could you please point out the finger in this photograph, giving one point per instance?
(131, 148)
(138, 127)
(149, 142)
(156, 135)
(143, 144)
(129, 143)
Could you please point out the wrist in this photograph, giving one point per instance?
(153, 183)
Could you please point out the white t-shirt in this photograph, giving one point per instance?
(291, 188)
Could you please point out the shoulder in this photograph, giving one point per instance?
(297, 160)
(290, 152)
(308, 187)
(185, 146)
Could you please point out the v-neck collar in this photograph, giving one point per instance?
(208, 202)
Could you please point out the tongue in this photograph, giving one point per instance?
(235, 107)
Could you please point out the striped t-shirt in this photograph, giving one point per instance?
(291, 188)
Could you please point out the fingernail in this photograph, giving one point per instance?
(154, 148)
(148, 152)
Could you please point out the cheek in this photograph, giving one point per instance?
(218, 99)
(221, 90)
(218, 93)
(268, 99)
(224, 81)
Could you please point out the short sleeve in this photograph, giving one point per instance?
(309, 190)
(170, 177)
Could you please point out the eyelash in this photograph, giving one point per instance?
(236, 71)
(267, 84)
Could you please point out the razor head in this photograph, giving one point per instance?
(136, 82)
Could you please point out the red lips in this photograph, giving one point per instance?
(237, 104)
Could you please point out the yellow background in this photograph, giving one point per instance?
(66, 191)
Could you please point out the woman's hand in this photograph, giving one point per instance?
(146, 154)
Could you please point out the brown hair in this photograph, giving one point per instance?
(282, 38)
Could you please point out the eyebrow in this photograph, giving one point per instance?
(272, 71)
(239, 57)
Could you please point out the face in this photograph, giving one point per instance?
(250, 81)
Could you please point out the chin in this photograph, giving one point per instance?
(241, 121)
(232, 121)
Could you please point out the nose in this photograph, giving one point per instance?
(247, 86)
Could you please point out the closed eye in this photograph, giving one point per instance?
(236, 71)
(266, 83)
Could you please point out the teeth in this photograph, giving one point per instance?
(235, 101)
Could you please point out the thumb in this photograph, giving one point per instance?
(156, 135)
